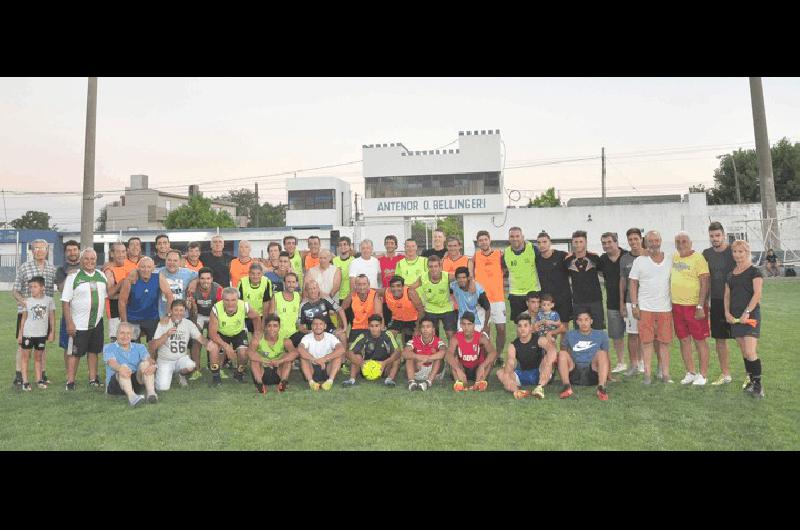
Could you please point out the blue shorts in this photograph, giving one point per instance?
(63, 338)
(527, 377)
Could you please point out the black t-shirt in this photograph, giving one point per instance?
(585, 282)
(374, 349)
(772, 259)
(65, 270)
(322, 307)
(741, 286)
(553, 275)
(720, 264)
(529, 355)
(611, 275)
(162, 262)
(220, 265)
(427, 253)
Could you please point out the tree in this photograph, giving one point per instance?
(547, 199)
(198, 214)
(245, 199)
(453, 225)
(102, 219)
(785, 168)
(33, 220)
(699, 188)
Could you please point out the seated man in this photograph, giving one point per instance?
(584, 359)
(377, 345)
(226, 328)
(527, 362)
(405, 308)
(171, 346)
(273, 362)
(324, 307)
(321, 356)
(470, 355)
(423, 355)
(129, 368)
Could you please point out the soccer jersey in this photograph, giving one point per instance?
(436, 295)
(239, 270)
(288, 311)
(310, 262)
(388, 268)
(402, 309)
(470, 352)
(344, 266)
(377, 348)
(489, 273)
(177, 345)
(132, 357)
(178, 283)
(119, 273)
(256, 296)
(410, 271)
(362, 309)
(685, 278)
(468, 301)
(323, 308)
(231, 325)
(522, 275)
(297, 266)
(420, 347)
(449, 266)
(87, 295)
(273, 352)
(205, 301)
(195, 268)
(585, 281)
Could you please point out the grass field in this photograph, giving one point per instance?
(369, 416)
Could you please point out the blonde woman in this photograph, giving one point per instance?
(326, 275)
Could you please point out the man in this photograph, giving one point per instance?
(295, 258)
(134, 250)
(488, 271)
(240, 266)
(434, 291)
(227, 329)
(129, 368)
(527, 362)
(388, 262)
(192, 259)
(584, 358)
(470, 296)
(272, 363)
(317, 306)
(651, 305)
(170, 346)
(139, 299)
(519, 258)
(320, 356)
(366, 264)
(377, 345)
(423, 355)
(120, 269)
(438, 248)
(286, 305)
(218, 261)
(611, 259)
(178, 279)
(256, 290)
(405, 308)
(551, 265)
(634, 236)
(72, 263)
(311, 257)
(278, 276)
(470, 356)
(273, 253)
(720, 264)
(83, 300)
(343, 261)
(411, 267)
(364, 303)
(583, 268)
(36, 266)
(454, 258)
(162, 247)
(689, 289)
(203, 293)
(771, 264)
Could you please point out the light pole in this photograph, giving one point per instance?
(735, 177)
(87, 206)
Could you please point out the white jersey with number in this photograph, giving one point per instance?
(177, 345)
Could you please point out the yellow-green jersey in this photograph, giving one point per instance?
(231, 325)
(344, 266)
(271, 352)
(410, 271)
(288, 311)
(297, 267)
(435, 296)
(256, 296)
(522, 274)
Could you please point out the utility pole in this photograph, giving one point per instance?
(736, 180)
(257, 205)
(769, 208)
(87, 207)
(355, 203)
(603, 184)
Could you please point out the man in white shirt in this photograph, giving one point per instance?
(651, 304)
(366, 264)
(321, 355)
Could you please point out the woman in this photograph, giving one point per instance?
(772, 264)
(326, 275)
(742, 310)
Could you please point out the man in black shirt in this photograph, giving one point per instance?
(583, 267)
(162, 248)
(611, 274)
(218, 261)
(317, 307)
(438, 248)
(72, 262)
(720, 264)
(553, 276)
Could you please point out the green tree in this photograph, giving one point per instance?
(268, 214)
(453, 225)
(198, 214)
(101, 220)
(244, 198)
(34, 220)
(547, 199)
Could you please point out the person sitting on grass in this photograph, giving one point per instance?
(423, 355)
(470, 355)
(321, 355)
(272, 364)
(527, 362)
(36, 328)
(377, 345)
(129, 368)
(584, 359)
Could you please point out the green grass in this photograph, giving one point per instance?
(369, 416)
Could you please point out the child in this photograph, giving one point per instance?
(550, 320)
(36, 328)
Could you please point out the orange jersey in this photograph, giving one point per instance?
(239, 270)
(402, 309)
(310, 262)
(489, 273)
(195, 268)
(362, 309)
(449, 266)
(120, 273)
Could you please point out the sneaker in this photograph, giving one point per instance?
(424, 385)
(345, 369)
(182, 380)
(666, 379)
(646, 380)
(137, 400)
(621, 367)
(26, 387)
(688, 379)
(217, 380)
(95, 383)
(327, 385)
(758, 390)
(282, 385)
(602, 394)
(699, 380)
(17, 383)
(746, 383)
(538, 392)
(640, 367)
(633, 370)
(748, 388)
(389, 382)
(227, 364)
(261, 388)
(42, 384)
(152, 399)
(412, 385)
(566, 392)
(723, 380)
(519, 394)
(223, 375)
(70, 387)
(45, 378)
(458, 386)
(196, 375)
(480, 386)
(239, 376)
(347, 383)
(313, 385)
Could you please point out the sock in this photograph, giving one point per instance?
(260, 387)
(756, 369)
(18, 375)
(44, 375)
(747, 368)
(215, 370)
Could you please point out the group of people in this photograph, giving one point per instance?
(366, 314)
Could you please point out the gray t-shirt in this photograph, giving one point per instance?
(625, 264)
(720, 264)
(38, 319)
(178, 344)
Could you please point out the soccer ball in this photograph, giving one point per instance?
(371, 370)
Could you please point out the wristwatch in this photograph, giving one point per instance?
(699, 306)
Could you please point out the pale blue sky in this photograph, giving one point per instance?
(185, 130)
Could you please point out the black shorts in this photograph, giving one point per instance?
(35, 343)
(470, 373)
(296, 337)
(320, 374)
(403, 326)
(270, 376)
(595, 308)
(147, 329)
(355, 333)
(114, 389)
(720, 329)
(746, 330)
(518, 304)
(237, 341)
(347, 312)
(449, 319)
(88, 340)
(583, 375)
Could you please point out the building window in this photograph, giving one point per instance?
(485, 183)
(169, 205)
(312, 199)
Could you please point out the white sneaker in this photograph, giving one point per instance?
(689, 379)
(182, 380)
(137, 399)
(621, 367)
(640, 367)
(699, 380)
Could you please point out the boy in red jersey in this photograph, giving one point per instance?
(423, 355)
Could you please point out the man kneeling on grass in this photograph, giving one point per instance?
(321, 355)
(273, 362)
(584, 359)
(471, 355)
(129, 368)
(377, 345)
(423, 355)
(527, 363)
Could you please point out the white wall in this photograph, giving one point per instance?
(733, 217)
(342, 200)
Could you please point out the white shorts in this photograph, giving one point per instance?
(498, 312)
(202, 322)
(631, 324)
(165, 370)
(113, 326)
(423, 373)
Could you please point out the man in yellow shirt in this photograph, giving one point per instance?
(689, 283)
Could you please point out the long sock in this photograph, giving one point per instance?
(747, 368)
(215, 371)
(18, 375)
(756, 367)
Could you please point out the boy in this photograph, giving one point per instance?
(35, 329)
(548, 319)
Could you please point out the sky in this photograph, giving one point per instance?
(660, 134)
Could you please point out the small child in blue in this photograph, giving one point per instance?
(551, 319)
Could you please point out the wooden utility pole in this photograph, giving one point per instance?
(766, 182)
(257, 205)
(87, 206)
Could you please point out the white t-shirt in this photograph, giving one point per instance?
(654, 286)
(178, 344)
(320, 348)
(371, 268)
